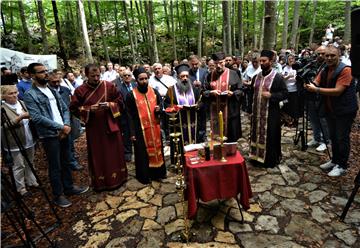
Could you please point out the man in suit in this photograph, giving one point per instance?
(197, 76)
(124, 87)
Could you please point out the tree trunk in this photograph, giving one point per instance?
(241, 28)
(214, 24)
(199, 45)
(149, 11)
(226, 28)
(135, 36)
(150, 37)
(3, 21)
(25, 28)
(80, 28)
(186, 24)
(142, 28)
(133, 58)
(270, 25)
(102, 32)
(117, 32)
(286, 24)
(173, 29)
(92, 24)
(88, 53)
(43, 27)
(254, 23)
(262, 23)
(166, 17)
(347, 31)
(312, 27)
(295, 24)
(59, 35)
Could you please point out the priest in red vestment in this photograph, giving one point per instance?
(143, 107)
(223, 93)
(99, 105)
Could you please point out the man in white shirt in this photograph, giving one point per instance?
(110, 75)
(51, 118)
(159, 81)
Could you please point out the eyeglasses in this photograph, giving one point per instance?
(127, 75)
(41, 72)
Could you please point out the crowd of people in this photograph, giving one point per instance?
(125, 113)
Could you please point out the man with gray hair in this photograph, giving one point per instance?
(159, 81)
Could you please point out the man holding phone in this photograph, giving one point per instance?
(98, 104)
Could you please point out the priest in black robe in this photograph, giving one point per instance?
(143, 109)
(184, 95)
(268, 89)
(223, 92)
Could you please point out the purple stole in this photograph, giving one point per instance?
(259, 117)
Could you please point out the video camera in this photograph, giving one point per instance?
(306, 69)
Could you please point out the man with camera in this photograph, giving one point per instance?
(314, 110)
(336, 84)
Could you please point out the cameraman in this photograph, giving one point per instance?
(336, 84)
(315, 113)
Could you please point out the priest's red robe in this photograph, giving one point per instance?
(103, 133)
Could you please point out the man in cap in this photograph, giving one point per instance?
(143, 107)
(223, 93)
(269, 89)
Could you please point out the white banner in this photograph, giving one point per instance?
(14, 60)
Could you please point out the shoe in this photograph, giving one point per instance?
(312, 143)
(336, 171)
(77, 190)
(327, 165)
(77, 167)
(322, 147)
(61, 201)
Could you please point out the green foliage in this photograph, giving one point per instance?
(186, 22)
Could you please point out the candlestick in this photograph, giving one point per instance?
(221, 125)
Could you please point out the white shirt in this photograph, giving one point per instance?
(29, 142)
(250, 72)
(53, 105)
(290, 82)
(67, 84)
(165, 79)
(110, 75)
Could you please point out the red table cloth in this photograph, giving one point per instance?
(216, 180)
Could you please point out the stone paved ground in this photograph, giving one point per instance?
(294, 205)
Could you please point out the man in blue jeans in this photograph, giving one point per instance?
(52, 122)
(336, 84)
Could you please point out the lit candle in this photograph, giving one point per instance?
(221, 125)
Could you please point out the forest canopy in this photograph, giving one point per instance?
(135, 31)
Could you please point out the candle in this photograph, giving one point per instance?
(171, 98)
(221, 125)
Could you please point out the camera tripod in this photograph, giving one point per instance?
(301, 132)
(13, 205)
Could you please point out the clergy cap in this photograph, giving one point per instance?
(218, 56)
(267, 53)
(138, 71)
(182, 67)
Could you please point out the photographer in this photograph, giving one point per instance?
(315, 112)
(336, 84)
